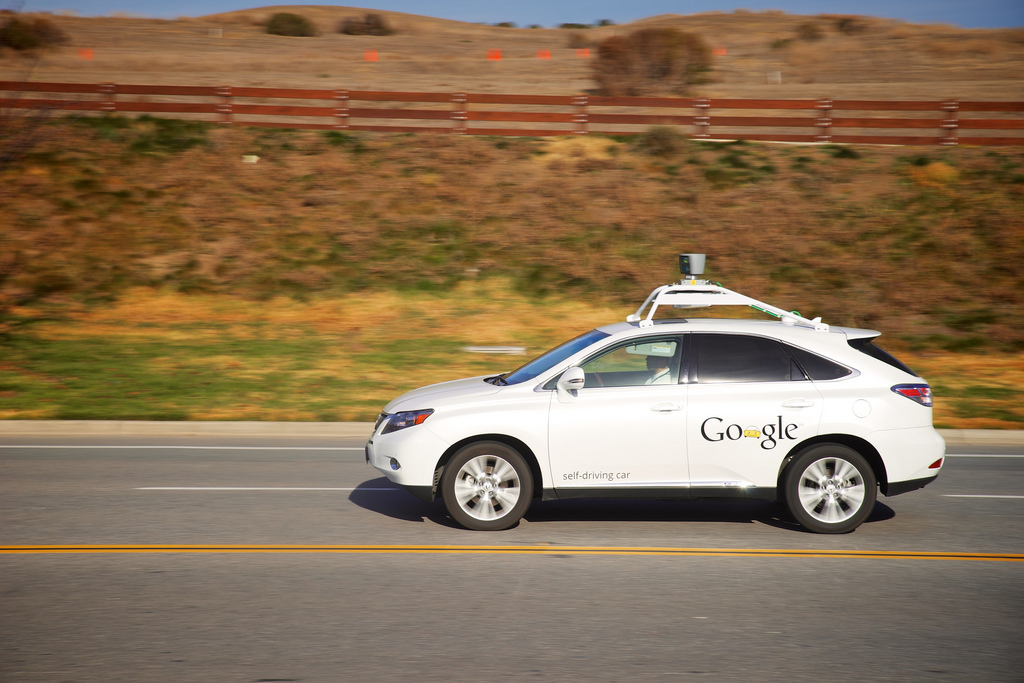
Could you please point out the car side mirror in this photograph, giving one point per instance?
(571, 381)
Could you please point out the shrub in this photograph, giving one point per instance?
(843, 152)
(578, 40)
(850, 26)
(156, 136)
(571, 25)
(337, 138)
(662, 141)
(23, 34)
(288, 24)
(650, 61)
(809, 31)
(369, 25)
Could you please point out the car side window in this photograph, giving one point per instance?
(816, 367)
(741, 358)
(636, 363)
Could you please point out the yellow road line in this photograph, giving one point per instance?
(513, 550)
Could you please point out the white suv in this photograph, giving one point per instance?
(814, 416)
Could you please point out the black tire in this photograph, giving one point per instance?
(830, 489)
(487, 486)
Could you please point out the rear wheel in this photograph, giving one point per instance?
(487, 486)
(830, 489)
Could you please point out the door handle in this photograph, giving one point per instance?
(798, 403)
(666, 407)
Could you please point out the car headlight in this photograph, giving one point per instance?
(408, 418)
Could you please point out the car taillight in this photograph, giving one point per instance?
(921, 393)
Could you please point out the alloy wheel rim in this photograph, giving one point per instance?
(487, 487)
(831, 490)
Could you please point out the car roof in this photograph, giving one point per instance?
(768, 328)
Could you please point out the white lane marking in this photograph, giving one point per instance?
(975, 495)
(325, 488)
(205, 448)
(257, 488)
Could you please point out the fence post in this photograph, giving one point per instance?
(108, 93)
(702, 120)
(580, 118)
(950, 124)
(824, 121)
(341, 109)
(460, 104)
(224, 106)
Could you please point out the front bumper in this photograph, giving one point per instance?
(408, 457)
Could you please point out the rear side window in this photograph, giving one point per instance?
(817, 367)
(741, 358)
(868, 347)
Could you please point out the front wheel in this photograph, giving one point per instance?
(487, 486)
(830, 489)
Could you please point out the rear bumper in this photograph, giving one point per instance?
(897, 487)
(909, 457)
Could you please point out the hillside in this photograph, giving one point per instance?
(766, 54)
(160, 269)
(164, 276)
(926, 244)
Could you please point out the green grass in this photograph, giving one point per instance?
(284, 377)
(988, 403)
(162, 356)
(290, 361)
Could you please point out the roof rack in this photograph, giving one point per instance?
(702, 293)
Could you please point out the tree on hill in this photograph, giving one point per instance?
(288, 24)
(650, 61)
(29, 34)
(369, 25)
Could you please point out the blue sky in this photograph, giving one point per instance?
(964, 13)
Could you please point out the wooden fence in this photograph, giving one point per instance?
(948, 122)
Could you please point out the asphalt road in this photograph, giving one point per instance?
(234, 559)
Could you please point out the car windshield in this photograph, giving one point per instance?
(526, 372)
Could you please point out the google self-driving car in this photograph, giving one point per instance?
(817, 417)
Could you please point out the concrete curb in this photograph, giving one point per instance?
(977, 437)
(983, 437)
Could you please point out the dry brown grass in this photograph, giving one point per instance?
(885, 241)
(880, 59)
